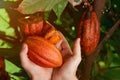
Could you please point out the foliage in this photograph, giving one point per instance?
(65, 18)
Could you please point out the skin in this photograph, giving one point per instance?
(34, 71)
(66, 72)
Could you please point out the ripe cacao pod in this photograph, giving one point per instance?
(30, 25)
(89, 31)
(42, 52)
(51, 33)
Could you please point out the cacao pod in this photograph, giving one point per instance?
(89, 31)
(30, 25)
(51, 33)
(42, 52)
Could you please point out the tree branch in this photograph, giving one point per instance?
(99, 7)
(107, 36)
(9, 39)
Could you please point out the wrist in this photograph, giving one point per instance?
(40, 77)
(36, 78)
(66, 77)
(72, 78)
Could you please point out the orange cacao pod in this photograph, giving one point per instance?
(30, 25)
(51, 33)
(42, 52)
(89, 31)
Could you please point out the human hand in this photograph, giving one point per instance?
(34, 71)
(64, 47)
(68, 70)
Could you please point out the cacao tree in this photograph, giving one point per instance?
(73, 18)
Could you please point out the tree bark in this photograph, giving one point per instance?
(99, 7)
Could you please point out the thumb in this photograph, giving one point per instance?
(72, 63)
(76, 58)
(23, 54)
(77, 49)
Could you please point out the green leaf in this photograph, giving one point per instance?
(58, 21)
(10, 67)
(5, 28)
(4, 20)
(32, 6)
(109, 55)
(59, 8)
(112, 74)
(116, 60)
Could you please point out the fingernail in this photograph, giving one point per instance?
(24, 46)
(78, 39)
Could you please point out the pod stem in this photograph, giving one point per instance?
(86, 2)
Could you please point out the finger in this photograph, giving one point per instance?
(76, 58)
(23, 54)
(58, 45)
(65, 48)
(72, 63)
(77, 49)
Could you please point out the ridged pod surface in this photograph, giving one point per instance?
(42, 52)
(30, 25)
(50, 33)
(89, 31)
